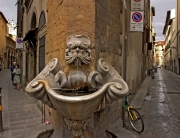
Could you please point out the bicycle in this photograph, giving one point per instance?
(134, 116)
(151, 73)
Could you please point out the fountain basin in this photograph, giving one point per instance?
(81, 107)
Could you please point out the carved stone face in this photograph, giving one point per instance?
(77, 50)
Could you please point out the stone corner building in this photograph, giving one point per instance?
(46, 24)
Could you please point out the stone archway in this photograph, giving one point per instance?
(31, 57)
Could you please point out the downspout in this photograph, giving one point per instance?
(177, 34)
(125, 44)
(24, 66)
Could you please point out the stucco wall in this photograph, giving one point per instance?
(3, 33)
(135, 64)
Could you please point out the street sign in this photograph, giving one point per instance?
(137, 5)
(19, 43)
(136, 21)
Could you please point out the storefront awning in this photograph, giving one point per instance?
(30, 35)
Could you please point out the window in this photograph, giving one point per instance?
(28, 4)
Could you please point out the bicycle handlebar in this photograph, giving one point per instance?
(130, 94)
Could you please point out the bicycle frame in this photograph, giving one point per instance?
(128, 106)
(133, 115)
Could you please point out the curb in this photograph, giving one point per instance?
(178, 76)
(138, 100)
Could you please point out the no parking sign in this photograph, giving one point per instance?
(19, 43)
(136, 19)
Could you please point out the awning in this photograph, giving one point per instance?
(30, 35)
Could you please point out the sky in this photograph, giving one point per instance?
(161, 7)
(8, 8)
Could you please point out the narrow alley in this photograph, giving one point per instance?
(20, 111)
(160, 110)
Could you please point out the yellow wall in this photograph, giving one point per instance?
(3, 34)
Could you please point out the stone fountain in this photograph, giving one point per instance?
(77, 96)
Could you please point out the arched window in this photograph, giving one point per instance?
(33, 21)
(42, 20)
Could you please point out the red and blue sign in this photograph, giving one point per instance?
(137, 17)
(19, 40)
(19, 43)
(136, 21)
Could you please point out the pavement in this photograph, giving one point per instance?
(142, 92)
(21, 114)
(19, 111)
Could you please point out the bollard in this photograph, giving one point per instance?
(1, 123)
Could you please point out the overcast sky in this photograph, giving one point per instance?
(161, 7)
(8, 8)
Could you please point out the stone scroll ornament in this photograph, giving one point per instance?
(106, 83)
(77, 50)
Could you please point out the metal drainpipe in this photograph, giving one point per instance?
(177, 34)
(43, 113)
(125, 54)
(125, 46)
(24, 65)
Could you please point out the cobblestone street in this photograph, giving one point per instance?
(20, 111)
(160, 110)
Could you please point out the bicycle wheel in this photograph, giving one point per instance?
(135, 120)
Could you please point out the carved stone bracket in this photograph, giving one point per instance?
(76, 126)
(77, 50)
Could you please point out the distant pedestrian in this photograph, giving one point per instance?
(16, 79)
(165, 66)
(12, 69)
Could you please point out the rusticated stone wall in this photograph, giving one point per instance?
(67, 17)
(108, 32)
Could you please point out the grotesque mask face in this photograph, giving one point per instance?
(77, 50)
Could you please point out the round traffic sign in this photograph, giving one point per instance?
(137, 17)
(19, 40)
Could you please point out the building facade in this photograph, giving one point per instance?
(170, 53)
(32, 28)
(8, 52)
(159, 53)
